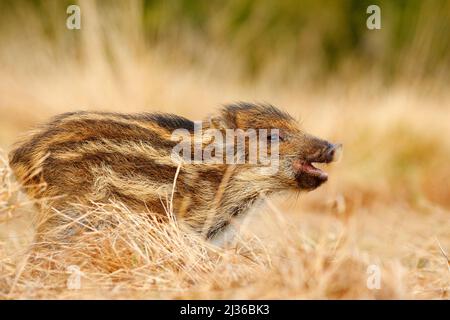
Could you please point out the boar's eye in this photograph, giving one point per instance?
(274, 136)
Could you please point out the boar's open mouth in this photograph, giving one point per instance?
(309, 169)
(310, 177)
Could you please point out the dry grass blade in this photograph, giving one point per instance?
(444, 254)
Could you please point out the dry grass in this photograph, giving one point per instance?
(289, 256)
(387, 203)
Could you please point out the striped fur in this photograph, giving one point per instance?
(80, 157)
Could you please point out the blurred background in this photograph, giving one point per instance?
(383, 93)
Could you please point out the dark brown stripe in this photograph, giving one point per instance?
(124, 164)
(95, 130)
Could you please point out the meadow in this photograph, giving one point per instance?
(384, 95)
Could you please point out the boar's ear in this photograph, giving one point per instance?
(218, 122)
(222, 122)
(228, 117)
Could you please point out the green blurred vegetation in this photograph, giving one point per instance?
(318, 38)
(327, 33)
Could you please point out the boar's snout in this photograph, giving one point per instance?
(324, 152)
(332, 152)
(318, 151)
